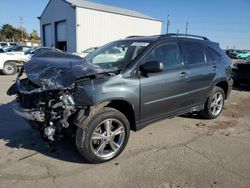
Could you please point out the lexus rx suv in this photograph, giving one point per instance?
(100, 98)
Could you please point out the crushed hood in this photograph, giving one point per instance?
(57, 70)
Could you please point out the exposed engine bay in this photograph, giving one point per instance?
(48, 111)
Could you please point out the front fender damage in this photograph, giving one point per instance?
(82, 117)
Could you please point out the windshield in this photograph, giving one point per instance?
(116, 55)
(7, 49)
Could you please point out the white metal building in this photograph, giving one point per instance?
(75, 25)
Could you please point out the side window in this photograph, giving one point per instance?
(214, 54)
(194, 53)
(168, 54)
(208, 55)
(17, 49)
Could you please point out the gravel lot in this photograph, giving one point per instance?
(178, 152)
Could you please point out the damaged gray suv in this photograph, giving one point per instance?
(122, 86)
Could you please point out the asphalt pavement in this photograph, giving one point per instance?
(183, 151)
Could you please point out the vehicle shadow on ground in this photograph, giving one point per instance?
(18, 134)
(242, 87)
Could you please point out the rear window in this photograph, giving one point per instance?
(194, 53)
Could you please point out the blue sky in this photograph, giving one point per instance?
(224, 21)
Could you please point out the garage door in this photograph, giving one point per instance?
(61, 35)
(47, 35)
(61, 31)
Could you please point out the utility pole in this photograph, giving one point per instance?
(186, 27)
(177, 33)
(21, 26)
(168, 23)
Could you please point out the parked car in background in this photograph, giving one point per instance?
(238, 54)
(36, 51)
(241, 72)
(233, 53)
(5, 44)
(10, 62)
(243, 55)
(17, 49)
(122, 86)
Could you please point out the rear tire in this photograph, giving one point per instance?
(214, 104)
(103, 136)
(10, 68)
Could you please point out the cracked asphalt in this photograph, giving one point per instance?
(180, 152)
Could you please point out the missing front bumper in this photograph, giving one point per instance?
(29, 114)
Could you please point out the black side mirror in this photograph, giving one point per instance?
(152, 67)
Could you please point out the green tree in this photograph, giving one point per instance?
(34, 35)
(20, 34)
(7, 32)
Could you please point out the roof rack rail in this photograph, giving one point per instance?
(184, 35)
(133, 36)
(136, 36)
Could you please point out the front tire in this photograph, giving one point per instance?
(103, 136)
(214, 104)
(10, 68)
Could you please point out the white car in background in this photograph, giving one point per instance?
(20, 50)
(5, 44)
(10, 62)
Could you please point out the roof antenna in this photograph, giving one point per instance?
(186, 28)
(168, 23)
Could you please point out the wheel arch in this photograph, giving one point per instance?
(119, 104)
(224, 86)
(125, 108)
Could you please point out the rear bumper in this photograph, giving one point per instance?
(29, 114)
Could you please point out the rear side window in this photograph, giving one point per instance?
(214, 54)
(169, 54)
(208, 55)
(194, 53)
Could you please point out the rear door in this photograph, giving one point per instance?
(201, 71)
(164, 92)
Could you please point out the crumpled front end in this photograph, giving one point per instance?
(50, 89)
(47, 111)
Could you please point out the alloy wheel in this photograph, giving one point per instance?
(217, 103)
(107, 138)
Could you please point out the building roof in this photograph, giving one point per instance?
(107, 8)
